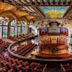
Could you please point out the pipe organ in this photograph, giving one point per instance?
(53, 41)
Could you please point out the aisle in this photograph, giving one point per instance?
(54, 69)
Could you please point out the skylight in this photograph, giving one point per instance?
(57, 11)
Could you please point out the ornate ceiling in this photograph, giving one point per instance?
(33, 8)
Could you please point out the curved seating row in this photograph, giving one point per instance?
(24, 49)
(66, 67)
(16, 37)
(3, 45)
(15, 65)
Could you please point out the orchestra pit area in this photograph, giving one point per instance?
(35, 35)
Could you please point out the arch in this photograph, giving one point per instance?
(9, 14)
(22, 18)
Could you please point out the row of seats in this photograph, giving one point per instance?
(3, 45)
(66, 67)
(15, 65)
(16, 37)
(24, 49)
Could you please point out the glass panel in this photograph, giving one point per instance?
(45, 0)
(15, 29)
(5, 31)
(23, 28)
(12, 31)
(5, 23)
(19, 30)
(51, 11)
(0, 22)
(13, 23)
(39, 0)
(0, 31)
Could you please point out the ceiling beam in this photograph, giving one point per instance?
(46, 5)
(36, 9)
(21, 2)
(40, 11)
(67, 11)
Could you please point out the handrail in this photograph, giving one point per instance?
(26, 39)
(18, 41)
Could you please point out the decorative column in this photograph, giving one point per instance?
(8, 31)
(26, 28)
(21, 27)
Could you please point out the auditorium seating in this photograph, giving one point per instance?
(16, 37)
(24, 49)
(14, 65)
(3, 45)
(66, 67)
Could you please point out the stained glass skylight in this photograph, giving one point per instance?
(57, 11)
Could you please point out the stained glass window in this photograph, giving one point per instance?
(23, 28)
(12, 32)
(5, 28)
(18, 28)
(50, 11)
(0, 28)
(15, 29)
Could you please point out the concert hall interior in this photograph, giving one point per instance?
(35, 35)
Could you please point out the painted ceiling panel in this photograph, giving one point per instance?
(58, 11)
